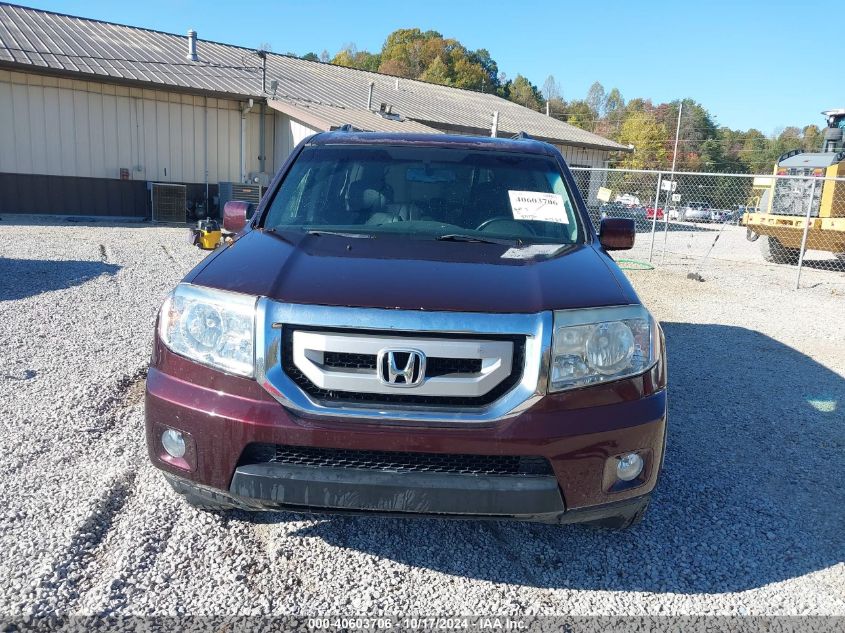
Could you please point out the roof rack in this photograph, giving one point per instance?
(522, 136)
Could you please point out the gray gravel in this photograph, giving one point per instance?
(748, 518)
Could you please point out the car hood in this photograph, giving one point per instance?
(414, 274)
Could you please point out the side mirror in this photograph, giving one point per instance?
(617, 234)
(235, 215)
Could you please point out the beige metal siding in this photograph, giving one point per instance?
(289, 133)
(63, 127)
(581, 157)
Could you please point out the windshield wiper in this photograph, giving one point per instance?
(339, 233)
(460, 237)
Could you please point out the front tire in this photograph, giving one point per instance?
(774, 251)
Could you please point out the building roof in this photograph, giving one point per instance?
(58, 43)
(327, 117)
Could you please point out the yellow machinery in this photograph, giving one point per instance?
(781, 218)
(206, 235)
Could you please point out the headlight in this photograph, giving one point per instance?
(212, 327)
(601, 344)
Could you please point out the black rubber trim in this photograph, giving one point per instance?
(626, 508)
(416, 493)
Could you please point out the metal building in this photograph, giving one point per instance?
(92, 113)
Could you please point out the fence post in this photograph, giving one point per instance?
(654, 216)
(804, 237)
(665, 225)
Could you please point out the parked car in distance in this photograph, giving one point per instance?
(721, 215)
(649, 213)
(620, 210)
(412, 325)
(696, 212)
(629, 200)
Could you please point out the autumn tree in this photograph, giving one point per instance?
(648, 136)
(812, 138)
(428, 56)
(351, 57)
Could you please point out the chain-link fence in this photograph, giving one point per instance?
(794, 220)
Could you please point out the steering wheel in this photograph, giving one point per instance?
(526, 229)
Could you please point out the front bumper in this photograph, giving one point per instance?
(578, 432)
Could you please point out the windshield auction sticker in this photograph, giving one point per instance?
(538, 206)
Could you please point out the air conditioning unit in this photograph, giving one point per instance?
(169, 202)
(260, 178)
(228, 191)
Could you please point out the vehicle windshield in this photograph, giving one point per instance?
(438, 193)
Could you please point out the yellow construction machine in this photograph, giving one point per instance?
(781, 218)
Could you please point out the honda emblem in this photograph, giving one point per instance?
(401, 367)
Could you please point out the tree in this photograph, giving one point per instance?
(614, 111)
(580, 114)
(311, 57)
(351, 57)
(551, 89)
(488, 65)
(648, 136)
(324, 56)
(613, 103)
(812, 138)
(755, 152)
(469, 75)
(595, 98)
(437, 72)
(557, 108)
(525, 93)
(428, 56)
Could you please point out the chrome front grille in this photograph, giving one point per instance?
(333, 376)
(355, 363)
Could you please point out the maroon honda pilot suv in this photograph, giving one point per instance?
(412, 325)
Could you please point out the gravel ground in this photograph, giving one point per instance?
(748, 518)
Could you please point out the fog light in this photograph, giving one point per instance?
(629, 467)
(173, 443)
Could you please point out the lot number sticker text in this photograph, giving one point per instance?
(538, 206)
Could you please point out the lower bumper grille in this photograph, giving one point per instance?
(389, 461)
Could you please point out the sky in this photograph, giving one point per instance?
(764, 64)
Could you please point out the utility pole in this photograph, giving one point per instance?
(677, 134)
(670, 190)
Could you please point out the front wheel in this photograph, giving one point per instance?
(774, 251)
